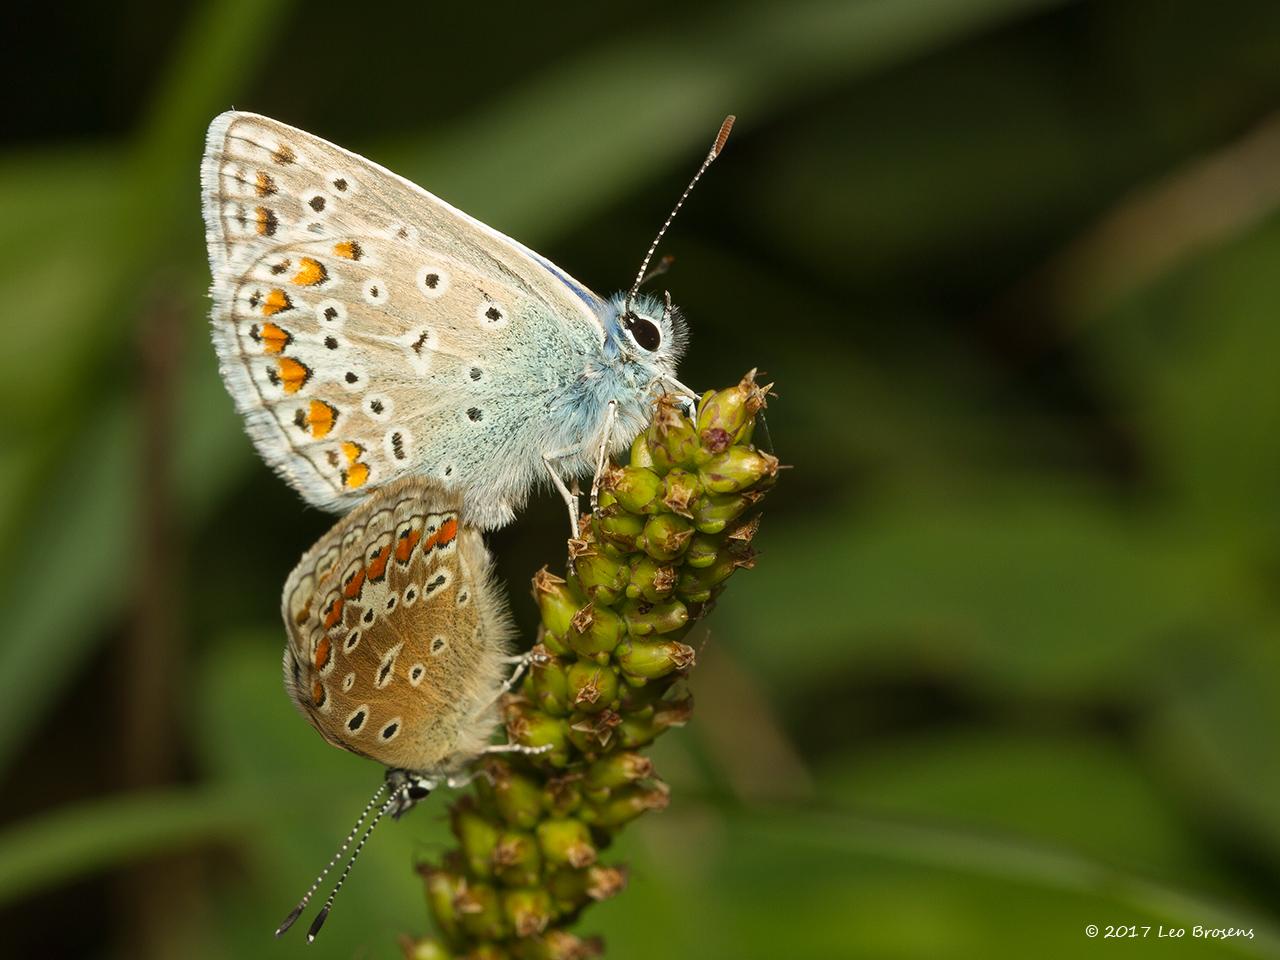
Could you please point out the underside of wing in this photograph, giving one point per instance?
(396, 631)
(360, 322)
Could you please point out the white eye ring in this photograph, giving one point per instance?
(637, 326)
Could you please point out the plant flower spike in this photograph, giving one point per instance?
(668, 531)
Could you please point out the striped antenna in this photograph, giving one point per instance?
(716, 147)
(364, 815)
(323, 915)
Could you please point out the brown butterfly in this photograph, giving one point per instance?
(398, 648)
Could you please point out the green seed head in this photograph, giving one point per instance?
(668, 531)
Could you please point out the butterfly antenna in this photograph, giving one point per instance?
(302, 904)
(323, 915)
(716, 147)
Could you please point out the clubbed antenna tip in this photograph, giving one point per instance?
(722, 136)
(716, 147)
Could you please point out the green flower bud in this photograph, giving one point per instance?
(615, 526)
(637, 489)
(640, 455)
(517, 797)
(425, 949)
(724, 416)
(713, 512)
(551, 643)
(603, 578)
(442, 889)
(535, 729)
(557, 602)
(517, 860)
(528, 910)
(702, 552)
(566, 842)
(594, 632)
(617, 769)
(657, 658)
(568, 888)
(562, 795)
(592, 687)
(680, 489)
(591, 733)
(639, 694)
(477, 837)
(627, 803)
(557, 945)
(696, 585)
(638, 730)
(650, 580)
(643, 618)
(480, 913)
(671, 437)
(549, 685)
(737, 469)
(486, 951)
(666, 536)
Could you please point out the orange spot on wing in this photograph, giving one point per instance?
(406, 544)
(448, 530)
(265, 185)
(310, 272)
(348, 250)
(293, 374)
(277, 301)
(333, 612)
(351, 450)
(378, 566)
(317, 693)
(320, 418)
(323, 649)
(351, 589)
(273, 338)
(357, 476)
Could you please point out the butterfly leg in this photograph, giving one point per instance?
(458, 781)
(605, 435)
(520, 663)
(521, 748)
(570, 500)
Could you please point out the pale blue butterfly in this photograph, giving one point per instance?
(369, 331)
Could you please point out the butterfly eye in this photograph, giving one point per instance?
(645, 333)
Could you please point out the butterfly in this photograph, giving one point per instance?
(398, 647)
(369, 331)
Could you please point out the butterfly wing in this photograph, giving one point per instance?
(396, 631)
(368, 330)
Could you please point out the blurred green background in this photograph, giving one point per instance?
(1008, 664)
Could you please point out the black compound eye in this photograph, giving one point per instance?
(644, 332)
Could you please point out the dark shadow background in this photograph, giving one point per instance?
(1008, 663)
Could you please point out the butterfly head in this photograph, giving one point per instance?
(650, 336)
